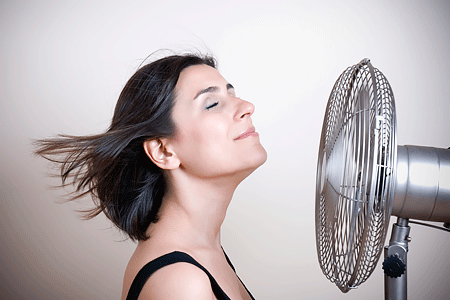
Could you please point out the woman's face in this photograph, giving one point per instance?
(214, 132)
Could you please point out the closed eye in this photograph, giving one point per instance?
(212, 105)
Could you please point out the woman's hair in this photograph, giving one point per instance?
(113, 166)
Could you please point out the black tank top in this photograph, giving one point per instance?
(168, 259)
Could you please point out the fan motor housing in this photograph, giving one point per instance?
(423, 183)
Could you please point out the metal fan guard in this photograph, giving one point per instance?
(355, 175)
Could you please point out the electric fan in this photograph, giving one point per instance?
(363, 177)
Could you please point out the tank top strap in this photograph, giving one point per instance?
(165, 260)
(232, 267)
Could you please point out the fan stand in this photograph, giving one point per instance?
(394, 265)
(395, 258)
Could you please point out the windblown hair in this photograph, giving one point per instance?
(113, 167)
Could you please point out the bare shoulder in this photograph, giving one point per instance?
(178, 281)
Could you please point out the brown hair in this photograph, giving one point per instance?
(124, 183)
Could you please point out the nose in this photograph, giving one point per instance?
(244, 109)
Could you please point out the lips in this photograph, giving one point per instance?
(248, 133)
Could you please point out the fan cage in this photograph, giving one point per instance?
(355, 171)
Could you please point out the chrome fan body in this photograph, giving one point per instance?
(355, 175)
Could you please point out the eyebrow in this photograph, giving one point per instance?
(212, 89)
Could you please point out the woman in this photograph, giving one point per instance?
(179, 144)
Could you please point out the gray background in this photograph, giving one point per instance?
(64, 63)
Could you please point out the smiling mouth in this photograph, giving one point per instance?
(248, 133)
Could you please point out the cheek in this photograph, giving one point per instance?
(206, 131)
(204, 146)
(210, 137)
(202, 138)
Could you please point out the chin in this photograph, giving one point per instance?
(256, 161)
(262, 157)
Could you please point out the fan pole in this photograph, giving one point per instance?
(394, 264)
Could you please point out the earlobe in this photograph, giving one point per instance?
(159, 154)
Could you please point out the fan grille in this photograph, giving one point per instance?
(354, 185)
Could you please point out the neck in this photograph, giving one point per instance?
(193, 209)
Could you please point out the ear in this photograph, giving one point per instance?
(160, 153)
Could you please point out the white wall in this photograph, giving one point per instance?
(63, 66)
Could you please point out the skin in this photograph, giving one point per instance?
(203, 164)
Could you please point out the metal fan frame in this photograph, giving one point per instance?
(351, 228)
